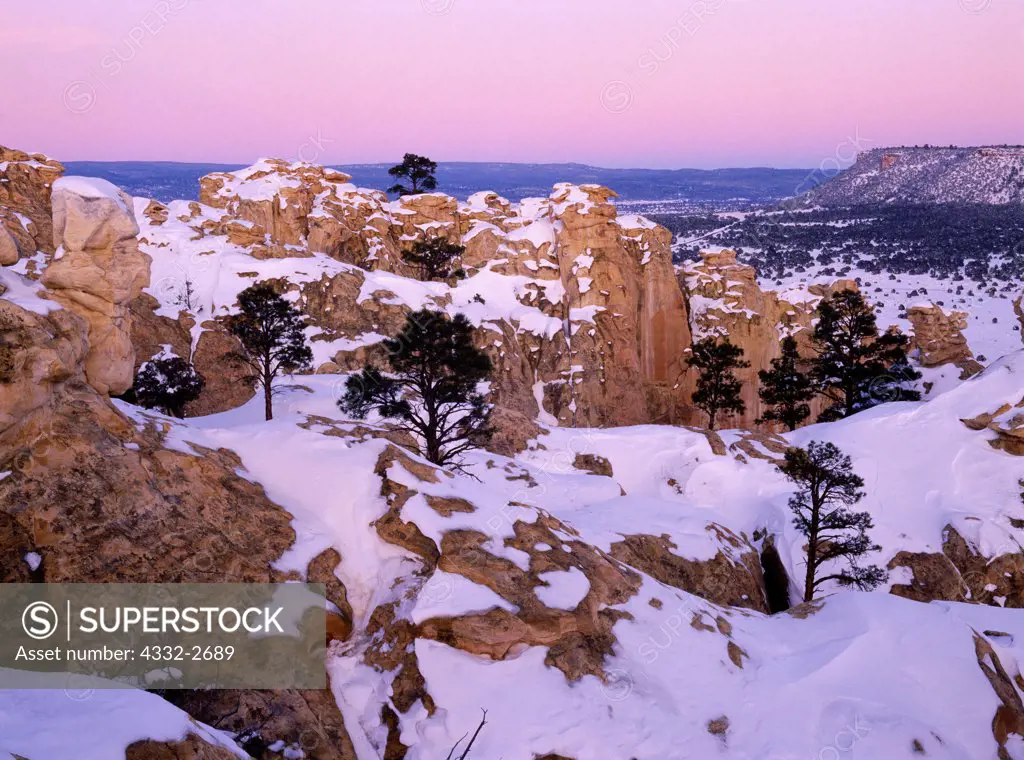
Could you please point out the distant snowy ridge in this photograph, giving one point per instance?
(992, 174)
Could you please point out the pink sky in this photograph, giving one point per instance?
(658, 83)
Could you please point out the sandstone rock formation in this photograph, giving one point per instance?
(192, 747)
(731, 578)
(578, 307)
(282, 209)
(960, 573)
(938, 337)
(725, 299)
(97, 273)
(1007, 422)
(25, 210)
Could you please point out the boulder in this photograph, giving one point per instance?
(938, 339)
(733, 577)
(1007, 422)
(961, 573)
(8, 248)
(97, 272)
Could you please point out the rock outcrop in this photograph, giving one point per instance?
(578, 307)
(97, 272)
(25, 211)
(732, 578)
(280, 209)
(1007, 422)
(725, 299)
(961, 573)
(91, 495)
(938, 338)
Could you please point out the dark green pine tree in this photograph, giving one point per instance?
(827, 487)
(785, 390)
(418, 170)
(718, 390)
(273, 338)
(856, 368)
(168, 384)
(434, 258)
(431, 388)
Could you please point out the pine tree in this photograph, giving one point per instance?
(419, 170)
(272, 334)
(431, 390)
(434, 258)
(168, 384)
(827, 487)
(785, 390)
(718, 390)
(856, 368)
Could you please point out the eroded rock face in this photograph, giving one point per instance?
(726, 300)
(939, 339)
(25, 210)
(962, 574)
(295, 720)
(283, 209)
(1009, 717)
(97, 274)
(579, 308)
(40, 353)
(731, 578)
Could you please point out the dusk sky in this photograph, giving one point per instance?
(657, 83)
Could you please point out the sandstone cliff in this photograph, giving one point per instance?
(725, 300)
(578, 307)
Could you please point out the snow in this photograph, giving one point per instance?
(71, 718)
(90, 187)
(565, 589)
(449, 595)
(538, 233)
(26, 293)
(851, 676)
(885, 670)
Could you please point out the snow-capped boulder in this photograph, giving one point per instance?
(97, 273)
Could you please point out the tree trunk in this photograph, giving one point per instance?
(268, 400)
(809, 580)
(812, 545)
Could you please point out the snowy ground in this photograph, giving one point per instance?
(866, 676)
